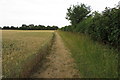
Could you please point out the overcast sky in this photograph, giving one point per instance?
(44, 12)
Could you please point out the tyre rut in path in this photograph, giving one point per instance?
(58, 63)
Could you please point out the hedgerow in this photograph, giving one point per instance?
(104, 27)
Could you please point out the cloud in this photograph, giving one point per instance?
(45, 12)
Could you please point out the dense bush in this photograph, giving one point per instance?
(104, 27)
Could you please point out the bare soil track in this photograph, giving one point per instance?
(58, 63)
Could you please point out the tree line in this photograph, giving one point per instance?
(31, 27)
(103, 27)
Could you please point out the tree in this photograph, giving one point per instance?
(6, 27)
(24, 27)
(77, 13)
(31, 26)
(48, 27)
(12, 27)
(54, 27)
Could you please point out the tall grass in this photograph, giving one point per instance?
(93, 60)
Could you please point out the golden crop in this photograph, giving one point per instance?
(19, 47)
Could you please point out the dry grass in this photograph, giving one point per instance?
(19, 47)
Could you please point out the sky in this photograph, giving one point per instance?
(43, 12)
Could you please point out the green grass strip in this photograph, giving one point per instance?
(93, 60)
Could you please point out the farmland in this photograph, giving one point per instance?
(88, 47)
(56, 54)
(21, 48)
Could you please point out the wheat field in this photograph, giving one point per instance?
(20, 48)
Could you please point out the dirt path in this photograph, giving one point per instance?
(58, 63)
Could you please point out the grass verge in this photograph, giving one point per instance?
(93, 60)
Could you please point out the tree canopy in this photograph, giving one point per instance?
(77, 13)
(31, 27)
(103, 27)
